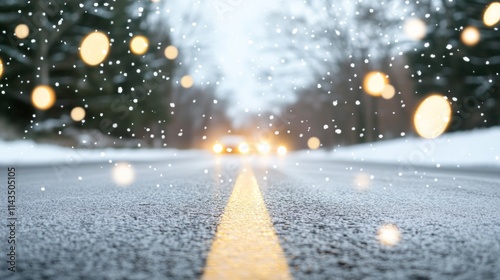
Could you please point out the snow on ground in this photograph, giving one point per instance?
(29, 152)
(480, 147)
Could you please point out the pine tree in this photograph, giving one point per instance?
(467, 74)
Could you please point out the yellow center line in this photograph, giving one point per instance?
(246, 245)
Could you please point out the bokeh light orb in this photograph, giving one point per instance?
(22, 31)
(1, 67)
(218, 148)
(388, 92)
(78, 114)
(415, 29)
(282, 150)
(94, 48)
(171, 52)
(123, 174)
(362, 181)
(43, 97)
(313, 143)
(432, 117)
(187, 81)
(389, 235)
(470, 36)
(491, 15)
(139, 45)
(374, 83)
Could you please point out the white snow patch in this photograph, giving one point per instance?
(28, 152)
(480, 147)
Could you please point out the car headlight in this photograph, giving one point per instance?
(282, 150)
(263, 148)
(244, 148)
(218, 148)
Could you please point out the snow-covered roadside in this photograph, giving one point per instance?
(480, 147)
(29, 152)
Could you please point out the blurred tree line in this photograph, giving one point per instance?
(342, 42)
(336, 45)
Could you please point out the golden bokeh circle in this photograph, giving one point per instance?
(139, 45)
(171, 52)
(187, 81)
(432, 117)
(22, 31)
(388, 92)
(491, 15)
(374, 83)
(94, 48)
(470, 36)
(78, 114)
(313, 143)
(43, 97)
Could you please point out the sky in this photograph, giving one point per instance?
(234, 33)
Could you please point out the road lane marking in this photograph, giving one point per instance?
(246, 245)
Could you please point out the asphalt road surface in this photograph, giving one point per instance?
(231, 217)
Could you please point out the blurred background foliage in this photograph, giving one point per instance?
(138, 100)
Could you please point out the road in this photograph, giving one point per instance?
(206, 217)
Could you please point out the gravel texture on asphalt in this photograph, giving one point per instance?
(326, 214)
(449, 225)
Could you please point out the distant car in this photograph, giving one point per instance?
(236, 144)
(231, 144)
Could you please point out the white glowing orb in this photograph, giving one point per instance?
(282, 150)
(362, 181)
(389, 235)
(243, 148)
(263, 148)
(218, 148)
(123, 174)
(415, 29)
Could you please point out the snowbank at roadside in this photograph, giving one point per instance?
(29, 152)
(480, 147)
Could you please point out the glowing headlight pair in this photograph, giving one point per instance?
(244, 148)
